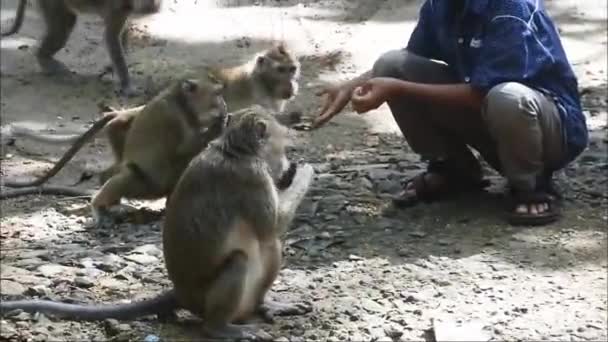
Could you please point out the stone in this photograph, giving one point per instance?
(51, 270)
(142, 259)
(149, 250)
(83, 282)
(11, 288)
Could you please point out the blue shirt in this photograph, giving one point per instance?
(491, 42)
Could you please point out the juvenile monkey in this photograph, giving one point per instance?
(170, 130)
(224, 220)
(221, 234)
(60, 18)
(270, 79)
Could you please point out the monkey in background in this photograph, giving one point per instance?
(60, 19)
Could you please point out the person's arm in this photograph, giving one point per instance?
(450, 95)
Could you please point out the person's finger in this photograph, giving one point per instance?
(326, 103)
(366, 87)
(334, 108)
(321, 92)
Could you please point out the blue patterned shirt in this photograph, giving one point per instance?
(491, 42)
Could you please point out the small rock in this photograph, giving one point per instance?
(111, 283)
(325, 235)
(411, 299)
(11, 288)
(51, 270)
(83, 282)
(142, 259)
(393, 332)
(113, 327)
(152, 338)
(111, 263)
(149, 250)
(417, 234)
(281, 339)
(353, 257)
(371, 306)
(444, 242)
(39, 291)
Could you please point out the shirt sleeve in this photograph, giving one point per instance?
(512, 48)
(423, 41)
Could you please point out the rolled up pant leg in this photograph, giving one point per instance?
(527, 129)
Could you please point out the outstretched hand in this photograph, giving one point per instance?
(372, 94)
(336, 98)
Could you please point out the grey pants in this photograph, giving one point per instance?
(518, 131)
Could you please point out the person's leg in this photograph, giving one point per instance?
(436, 133)
(527, 129)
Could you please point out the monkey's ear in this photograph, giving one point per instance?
(261, 60)
(260, 129)
(281, 48)
(189, 86)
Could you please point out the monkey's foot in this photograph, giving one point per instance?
(236, 332)
(270, 309)
(51, 66)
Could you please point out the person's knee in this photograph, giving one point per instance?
(389, 64)
(510, 104)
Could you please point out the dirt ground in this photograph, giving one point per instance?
(370, 271)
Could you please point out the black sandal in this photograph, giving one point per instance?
(456, 182)
(545, 193)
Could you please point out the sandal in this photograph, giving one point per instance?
(456, 182)
(544, 193)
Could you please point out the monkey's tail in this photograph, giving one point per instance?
(86, 136)
(161, 304)
(18, 20)
(45, 190)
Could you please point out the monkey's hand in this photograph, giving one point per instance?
(287, 177)
(271, 309)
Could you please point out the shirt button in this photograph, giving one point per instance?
(467, 79)
(460, 40)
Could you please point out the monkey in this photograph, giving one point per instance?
(60, 18)
(223, 223)
(221, 235)
(270, 80)
(163, 137)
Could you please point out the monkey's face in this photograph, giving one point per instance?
(205, 97)
(280, 73)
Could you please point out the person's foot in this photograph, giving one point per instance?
(435, 184)
(534, 207)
